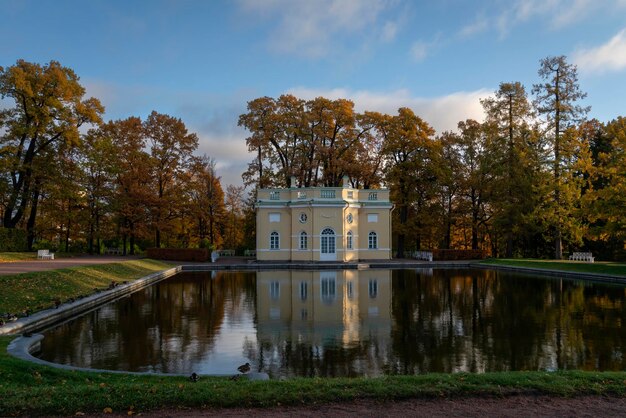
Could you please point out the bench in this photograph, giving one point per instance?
(45, 255)
(422, 255)
(588, 257)
(249, 253)
(113, 251)
(227, 253)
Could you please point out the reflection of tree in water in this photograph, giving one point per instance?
(166, 327)
(488, 321)
(450, 321)
(329, 359)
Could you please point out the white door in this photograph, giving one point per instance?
(328, 251)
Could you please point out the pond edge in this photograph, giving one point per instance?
(24, 345)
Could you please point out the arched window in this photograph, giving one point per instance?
(349, 240)
(372, 242)
(274, 241)
(327, 245)
(304, 240)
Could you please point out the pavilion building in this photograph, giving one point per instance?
(323, 224)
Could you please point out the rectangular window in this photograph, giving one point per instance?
(274, 217)
(304, 241)
(327, 194)
(301, 195)
(349, 241)
(372, 196)
(372, 217)
(274, 195)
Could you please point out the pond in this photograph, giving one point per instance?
(351, 323)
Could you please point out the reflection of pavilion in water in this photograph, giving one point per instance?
(324, 313)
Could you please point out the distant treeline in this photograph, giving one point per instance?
(536, 178)
(72, 182)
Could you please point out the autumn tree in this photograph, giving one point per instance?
(233, 228)
(448, 173)
(556, 99)
(315, 141)
(171, 148)
(48, 110)
(98, 159)
(507, 121)
(606, 195)
(132, 197)
(206, 198)
(408, 147)
(366, 170)
(473, 176)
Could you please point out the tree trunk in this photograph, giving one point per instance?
(132, 243)
(30, 224)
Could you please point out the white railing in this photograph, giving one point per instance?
(422, 255)
(588, 257)
(274, 195)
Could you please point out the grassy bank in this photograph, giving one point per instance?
(7, 257)
(40, 290)
(29, 389)
(611, 268)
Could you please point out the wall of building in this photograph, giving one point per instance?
(312, 210)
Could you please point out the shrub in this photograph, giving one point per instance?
(12, 239)
(444, 255)
(179, 254)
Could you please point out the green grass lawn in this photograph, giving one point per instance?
(7, 257)
(602, 267)
(29, 389)
(39, 290)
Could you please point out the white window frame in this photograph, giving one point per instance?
(372, 241)
(274, 240)
(349, 241)
(274, 217)
(303, 241)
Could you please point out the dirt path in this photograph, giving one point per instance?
(513, 406)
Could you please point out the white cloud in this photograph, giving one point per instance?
(559, 13)
(610, 56)
(389, 32)
(443, 113)
(313, 28)
(481, 24)
(419, 50)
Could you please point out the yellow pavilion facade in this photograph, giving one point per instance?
(323, 224)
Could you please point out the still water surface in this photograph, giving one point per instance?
(351, 323)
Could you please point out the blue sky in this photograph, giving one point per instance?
(203, 60)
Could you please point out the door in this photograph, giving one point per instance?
(328, 251)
